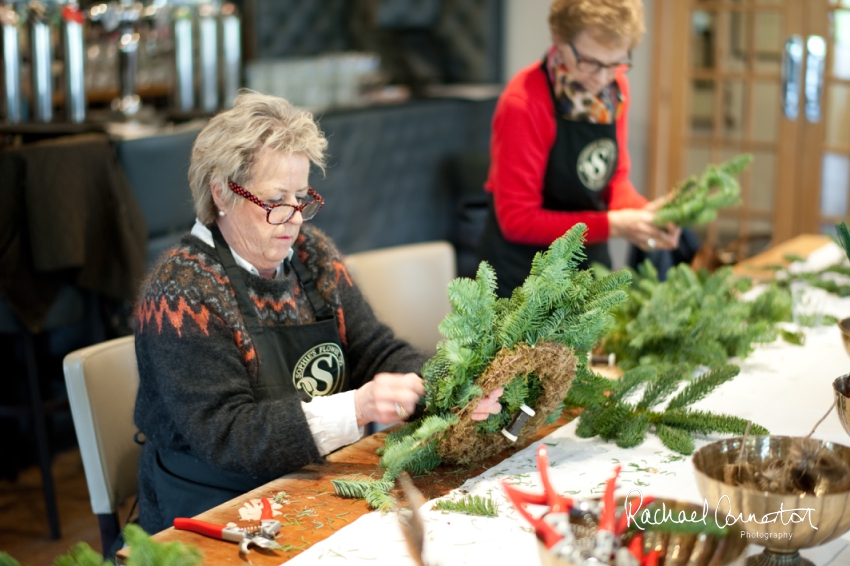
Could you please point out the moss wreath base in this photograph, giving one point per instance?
(552, 362)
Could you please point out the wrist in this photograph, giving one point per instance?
(359, 409)
(614, 230)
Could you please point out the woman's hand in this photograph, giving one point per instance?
(637, 226)
(376, 401)
(489, 405)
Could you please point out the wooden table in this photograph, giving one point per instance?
(313, 503)
(320, 512)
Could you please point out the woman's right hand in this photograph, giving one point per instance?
(376, 400)
(637, 226)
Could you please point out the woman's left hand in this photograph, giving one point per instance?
(489, 405)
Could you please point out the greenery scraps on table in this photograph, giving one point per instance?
(694, 319)
(696, 201)
(469, 505)
(530, 344)
(144, 551)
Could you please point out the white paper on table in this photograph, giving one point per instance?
(783, 387)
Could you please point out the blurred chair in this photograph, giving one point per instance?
(102, 384)
(406, 287)
(157, 168)
(68, 308)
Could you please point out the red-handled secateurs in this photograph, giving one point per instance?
(262, 535)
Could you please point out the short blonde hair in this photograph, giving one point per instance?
(229, 145)
(615, 22)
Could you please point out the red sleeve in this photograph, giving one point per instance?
(623, 193)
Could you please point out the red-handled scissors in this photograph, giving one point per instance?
(262, 535)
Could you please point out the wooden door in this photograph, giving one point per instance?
(735, 76)
(825, 185)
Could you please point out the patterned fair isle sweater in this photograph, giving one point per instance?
(197, 362)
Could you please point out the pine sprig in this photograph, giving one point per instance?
(697, 200)
(843, 233)
(357, 487)
(702, 386)
(469, 505)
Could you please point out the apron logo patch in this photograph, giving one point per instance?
(320, 370)
(596, 163)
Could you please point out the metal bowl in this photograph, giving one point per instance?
(844, 327)
(841, 386)
(678, 549)
(819, 518)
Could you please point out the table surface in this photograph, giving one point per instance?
(319, 514)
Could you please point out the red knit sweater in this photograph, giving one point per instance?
(523, 133)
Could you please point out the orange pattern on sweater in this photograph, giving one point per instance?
(149, 309)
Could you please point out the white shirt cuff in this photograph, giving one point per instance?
(332, 421)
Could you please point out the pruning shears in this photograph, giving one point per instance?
(555, 532)
(262, 535)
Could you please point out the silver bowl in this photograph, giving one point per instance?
(841, 387)
(820, 519)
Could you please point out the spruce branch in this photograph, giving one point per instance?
(702, 386)
(469, 505)
(843, 237)
(697, 200)
(675, 439)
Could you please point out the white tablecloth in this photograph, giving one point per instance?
(782, 387)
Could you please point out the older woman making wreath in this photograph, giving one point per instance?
(257, 354)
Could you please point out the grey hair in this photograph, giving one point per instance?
(229, 145)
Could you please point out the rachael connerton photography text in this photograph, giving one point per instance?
(724, 515)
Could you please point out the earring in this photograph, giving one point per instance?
(221, 213)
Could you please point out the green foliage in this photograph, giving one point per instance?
(556, 303)
(693, 319)
(523, 390)
(627, 424)
(145, 552)
(697, 200)
(843, 233)
(81, 554)
(380, 500)
(469, 505)
(356, 487)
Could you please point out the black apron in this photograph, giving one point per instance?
(304, 359)
(581, 163)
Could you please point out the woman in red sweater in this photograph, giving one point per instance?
(558, 145)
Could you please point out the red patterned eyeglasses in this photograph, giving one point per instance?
(280, 213)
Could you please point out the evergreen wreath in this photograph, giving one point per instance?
(531, 344)
(697, 200)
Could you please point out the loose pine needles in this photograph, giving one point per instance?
(697, 200)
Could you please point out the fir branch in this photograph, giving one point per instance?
(470, 505)
(81, 554)
(843, 234)
(144, 551)
(356, 487)
(381, 500)
(703, 422)
(675, 439)
(702, 386)
(697, 201)
(633, 432)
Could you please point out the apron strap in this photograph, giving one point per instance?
(320, 306)
(322, 309)
(234, 272)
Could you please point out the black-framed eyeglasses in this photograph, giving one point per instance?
(592, 66)
(280, 213)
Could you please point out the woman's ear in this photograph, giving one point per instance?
(216, 190)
